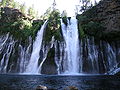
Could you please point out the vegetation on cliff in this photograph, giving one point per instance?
(21, 23)
(89, 27)
(53, 27)
(96, 20)
(102, 20)
(17, 21)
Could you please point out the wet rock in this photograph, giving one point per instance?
(49, 66)
(118, 74)
(41, 87)
(71, 88)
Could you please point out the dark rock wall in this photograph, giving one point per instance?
(49, 66)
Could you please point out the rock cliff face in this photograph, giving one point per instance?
(107, 12)
(11, 14)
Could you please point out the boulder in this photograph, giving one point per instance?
(71, 88)
(41, 87)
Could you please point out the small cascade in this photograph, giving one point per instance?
(13, 55)
(24, 56)
(33, 67)
(70, 34)
(6, 56)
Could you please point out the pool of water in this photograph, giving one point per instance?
(30, 82)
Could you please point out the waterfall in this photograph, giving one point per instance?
(33, 67)
(71, 56)
(6, 56)
(24, 56)
(70, 34)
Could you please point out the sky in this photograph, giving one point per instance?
(42, 5)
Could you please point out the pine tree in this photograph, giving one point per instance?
(31, 12)
(64, 13)
(16, 5)
(3, 3)
(22, 8)
(10, 3)
(86, 4)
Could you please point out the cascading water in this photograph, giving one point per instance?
(70, 34)
(70, 56)
(33, 67)
(84, 56)
(6, 56)
(24, 56)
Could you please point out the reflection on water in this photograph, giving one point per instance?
(30, 82)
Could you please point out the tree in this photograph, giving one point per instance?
(16, 5)
(31, 12)
(3, 3)
(10, 3)
(22, 8)
(46, 15)
(64, 13)
(86, 4)
(95, 2)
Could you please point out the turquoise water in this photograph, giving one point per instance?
(30, 82)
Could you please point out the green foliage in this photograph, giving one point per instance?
(81, 32)
(22, 8)
(31, 12)
(53, 27)
(13, 4)
(3, 3)
(35, 27)
(88, 27)
(10, 3)
(46, 15)
(19, 29)
(82, 19)
(93, 28)
(16, 5)
(86, 4)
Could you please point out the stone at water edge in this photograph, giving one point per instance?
(71, 88)
(41, 87)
